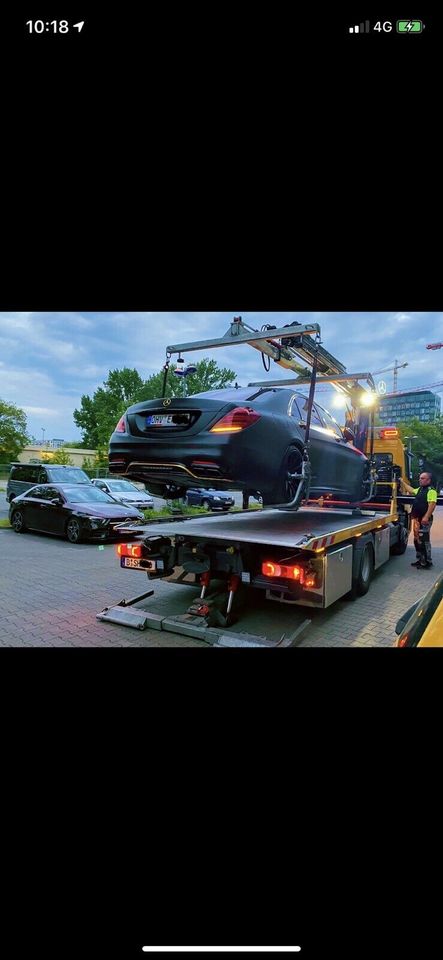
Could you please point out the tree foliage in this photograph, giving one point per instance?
(429, 438)
(427, 446)
(13, 431)
(99, 414)
(62, 456)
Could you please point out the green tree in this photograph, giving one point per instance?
(99, 414)
(208, 376)
(62, 456)
(429, 442)
(13, 431)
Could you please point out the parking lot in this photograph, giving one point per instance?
(51, 592)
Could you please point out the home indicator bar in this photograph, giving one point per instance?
(221, 949)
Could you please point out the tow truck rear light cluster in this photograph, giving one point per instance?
(130, 550)
(293, 572)
(236, 420)
(388, 433)
(304, 576)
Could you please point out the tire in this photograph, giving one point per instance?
(17, 522)
(292, 463)
(399, 548)
(73, 530)
(362, 582)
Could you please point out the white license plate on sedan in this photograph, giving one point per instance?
(136, 564)
(160, 420)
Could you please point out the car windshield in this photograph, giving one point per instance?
(86, 494)
(122, 486)
(65, 475)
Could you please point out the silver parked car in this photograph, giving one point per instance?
(126, 492)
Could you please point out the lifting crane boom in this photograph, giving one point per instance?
(283, 345)
(434, 346)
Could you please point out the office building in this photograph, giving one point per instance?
(408, 405)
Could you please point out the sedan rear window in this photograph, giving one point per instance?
(120, 486)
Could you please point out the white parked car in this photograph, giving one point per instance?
(125, 492)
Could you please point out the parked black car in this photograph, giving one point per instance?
(211, 499)
(240, 438)
(76, 511)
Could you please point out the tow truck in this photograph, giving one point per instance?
(307, 553)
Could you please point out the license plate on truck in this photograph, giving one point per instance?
(136, 564)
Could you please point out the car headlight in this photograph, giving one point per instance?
(98, 522)
(216, 498)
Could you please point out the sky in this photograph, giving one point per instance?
(49, 360)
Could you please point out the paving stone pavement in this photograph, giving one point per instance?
(51, 591)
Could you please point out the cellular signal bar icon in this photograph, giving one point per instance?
(360, 27)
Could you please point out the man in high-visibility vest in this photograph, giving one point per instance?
(422, 509)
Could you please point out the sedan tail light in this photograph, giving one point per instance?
(236, 420)
(121, 426)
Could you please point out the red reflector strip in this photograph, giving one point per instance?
(324, 542)
(129, 550)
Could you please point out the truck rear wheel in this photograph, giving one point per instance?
(362, 581)
(399, 548)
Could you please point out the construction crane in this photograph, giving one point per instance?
(397, 366)
(433, 346)
(428, 386)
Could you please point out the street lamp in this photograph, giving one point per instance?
(409, 454)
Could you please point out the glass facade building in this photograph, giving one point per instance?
(422, 405)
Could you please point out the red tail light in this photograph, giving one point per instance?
(236, 420)
(129, 550)
(270, 569)
(121, 426)
(403, 641)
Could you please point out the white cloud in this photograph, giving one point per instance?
(39, 411)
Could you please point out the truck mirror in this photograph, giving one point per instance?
(348, 435)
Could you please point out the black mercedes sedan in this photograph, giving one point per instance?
(73, 510)
(244, 438)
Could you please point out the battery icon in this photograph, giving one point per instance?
(409, 26)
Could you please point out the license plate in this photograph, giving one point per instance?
(159, 420)
(135, 563)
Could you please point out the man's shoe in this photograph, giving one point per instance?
(424, 566)
(416, 563)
